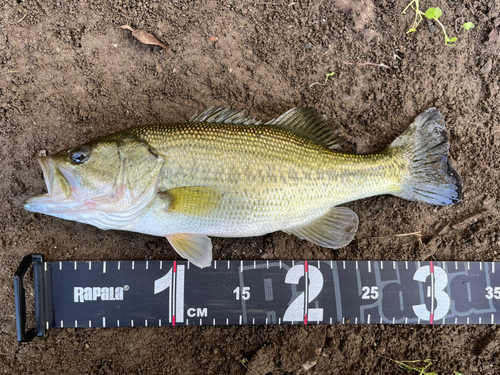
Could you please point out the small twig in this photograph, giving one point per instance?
(19, 20)
(456, 24)
(470, 8)
(367, 63)
(418, 234)
(8, 72)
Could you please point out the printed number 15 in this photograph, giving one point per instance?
(245, 293)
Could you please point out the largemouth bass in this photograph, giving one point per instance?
(225, 174)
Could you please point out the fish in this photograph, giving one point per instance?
(225, 174)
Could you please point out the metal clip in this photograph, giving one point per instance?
(20, 297)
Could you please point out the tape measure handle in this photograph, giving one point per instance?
(20, 297)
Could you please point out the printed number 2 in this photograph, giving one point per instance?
(369, 293)
(295, 312)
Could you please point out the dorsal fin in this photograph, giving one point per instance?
(224, 115)
(307, 123)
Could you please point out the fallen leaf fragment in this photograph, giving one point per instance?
(493, 36)
(486, 69)
(144, 37)
(312, 362)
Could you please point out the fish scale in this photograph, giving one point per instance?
(263, 169)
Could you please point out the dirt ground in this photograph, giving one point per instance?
(69, 73)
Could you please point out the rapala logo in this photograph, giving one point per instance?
(93, 294)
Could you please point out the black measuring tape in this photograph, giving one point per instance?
(89, 294)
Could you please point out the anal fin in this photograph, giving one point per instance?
(197, 248)
(334, 230)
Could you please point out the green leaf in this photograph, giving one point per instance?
(468, 25)
(433, 13)
(412, 30)
(451, 40)
(457, 373)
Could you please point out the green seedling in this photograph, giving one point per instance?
(244, 362)
(408, 365)
(414, 4)
(432, 14)
(326, 80)
(468, 25)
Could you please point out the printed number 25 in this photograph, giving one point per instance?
(369, 293)
(295, 312)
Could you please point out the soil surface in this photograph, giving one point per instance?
(69, 73)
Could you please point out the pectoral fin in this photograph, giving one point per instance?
(334, 230)
(191, 200)
(196, 248)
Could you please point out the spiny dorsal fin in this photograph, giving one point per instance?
(334, 230)
(191, 200)
(307, 123)
(225, 116)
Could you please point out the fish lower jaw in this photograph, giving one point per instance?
(50, 205)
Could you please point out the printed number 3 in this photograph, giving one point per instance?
(442, 298)
(295, 312)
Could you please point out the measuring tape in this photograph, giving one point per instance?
(89, 294)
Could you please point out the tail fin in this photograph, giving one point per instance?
(431, 178)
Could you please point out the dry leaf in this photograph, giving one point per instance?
(493, 37)
(486, 69)
(144, 37)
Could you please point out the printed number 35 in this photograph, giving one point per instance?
(493, 293)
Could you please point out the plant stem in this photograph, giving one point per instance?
(444, 31)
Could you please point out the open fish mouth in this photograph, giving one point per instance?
(58, 187)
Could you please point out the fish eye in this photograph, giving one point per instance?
(79, 155)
